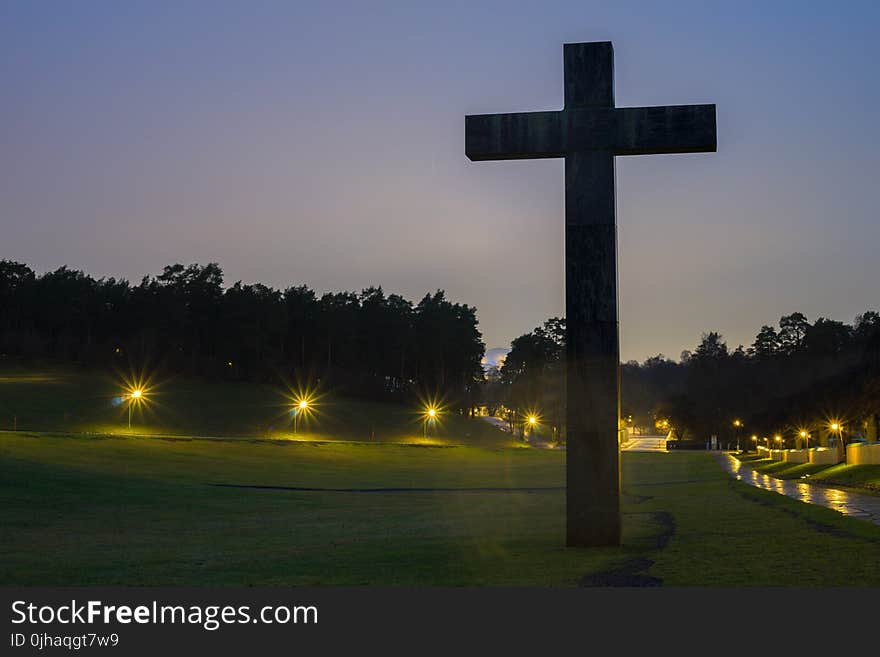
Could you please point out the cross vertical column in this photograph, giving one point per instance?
(592, 347)
(589, 132)
(592, 352)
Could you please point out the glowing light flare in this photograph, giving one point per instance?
(139, 394)
(136, 395)
(302, 405)
(431, 415)
(137, 388)
(430, 412)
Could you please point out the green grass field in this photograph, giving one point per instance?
(361, 498)
(129, 511)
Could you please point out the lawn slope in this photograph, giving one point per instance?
(87, 510)
(59, 399)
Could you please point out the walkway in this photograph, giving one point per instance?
(644, 444)
(496, 422)
(535, 441)
(858, 505)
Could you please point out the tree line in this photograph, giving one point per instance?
(799, 376)
(532, 380)
(185, 321)
(795, 375)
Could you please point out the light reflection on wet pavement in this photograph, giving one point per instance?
(858, 505)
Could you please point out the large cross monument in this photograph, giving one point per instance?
(589, 132)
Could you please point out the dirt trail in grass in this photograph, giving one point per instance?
(301, 489)
(633, 572)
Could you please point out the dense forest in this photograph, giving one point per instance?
(799, 376)
(185, 321)
(795, 376)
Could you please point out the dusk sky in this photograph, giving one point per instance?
(322, 143)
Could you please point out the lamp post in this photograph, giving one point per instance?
(737, 425)
(533, 422)
(430, 416)
(837, 428)
(301, 407)
(133, 397)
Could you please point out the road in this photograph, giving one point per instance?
(644, 444)
(534, 441)
(496, 422)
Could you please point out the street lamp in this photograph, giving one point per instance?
(532, 419)
(134, 397)
(806, 437)
(302, 406)
(837, 428)
(431, 414)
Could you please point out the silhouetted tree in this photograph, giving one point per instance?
(766, 344)
(792, 329)
(798, 375)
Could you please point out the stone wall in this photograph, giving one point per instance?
(863, 454)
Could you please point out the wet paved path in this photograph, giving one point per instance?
(858, 505)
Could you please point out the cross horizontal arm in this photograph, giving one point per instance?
(519, 136)
(624, 131)
(670, 129)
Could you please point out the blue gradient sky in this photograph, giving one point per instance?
(322, 143)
